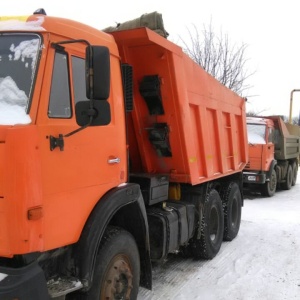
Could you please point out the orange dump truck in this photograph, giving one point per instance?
(115, 150)
(274, 148)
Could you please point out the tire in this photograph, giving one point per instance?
(295, 173)
(117, 268)
(268, 189)
(289, 179)
(212, 228)
(232, 207)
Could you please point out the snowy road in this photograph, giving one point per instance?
(262, 263)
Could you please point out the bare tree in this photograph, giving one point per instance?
(252, 113)
(218, 57)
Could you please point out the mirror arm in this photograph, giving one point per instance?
(59, 141)
(80, 128)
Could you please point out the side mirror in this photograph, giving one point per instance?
(100, 113)
(97, 67)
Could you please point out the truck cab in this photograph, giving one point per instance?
(261, 151)
(61, 149)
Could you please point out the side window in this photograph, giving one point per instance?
(277, 137)
(271, 135)
(60, 102)
(78, 74)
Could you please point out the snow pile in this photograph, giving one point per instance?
(13, 103)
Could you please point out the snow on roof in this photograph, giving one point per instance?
(21, 23)
(256, 120)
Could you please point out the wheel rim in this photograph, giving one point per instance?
(117, 283)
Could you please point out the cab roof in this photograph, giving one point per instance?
(67, 28)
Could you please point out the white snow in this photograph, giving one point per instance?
(2, 276)
(26, 49)
(13, 103)
(261, 263)
(17, 24)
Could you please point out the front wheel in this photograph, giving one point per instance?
(268, 189)
(117, 268)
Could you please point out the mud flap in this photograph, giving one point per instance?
(27, 283)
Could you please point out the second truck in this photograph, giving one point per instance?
(274, 148)
(115, 150)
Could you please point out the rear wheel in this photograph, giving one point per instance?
(268, 189)
(212, 228)
(295, 173)
(289, 179)
(232, 206)
(117, 268)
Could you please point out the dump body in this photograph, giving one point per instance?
(185, 123)
(287, 139)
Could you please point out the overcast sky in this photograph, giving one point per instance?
(269, 28)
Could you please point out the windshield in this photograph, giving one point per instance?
(256, 133)
(18, 57)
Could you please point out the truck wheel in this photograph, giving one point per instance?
(232, 207)
(268, 189)
(212, 228)
(289, 179)
(117, 268)
(295, 173)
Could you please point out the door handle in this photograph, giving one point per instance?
(115, 160)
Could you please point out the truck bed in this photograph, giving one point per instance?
(287, 139)
(184, 123)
